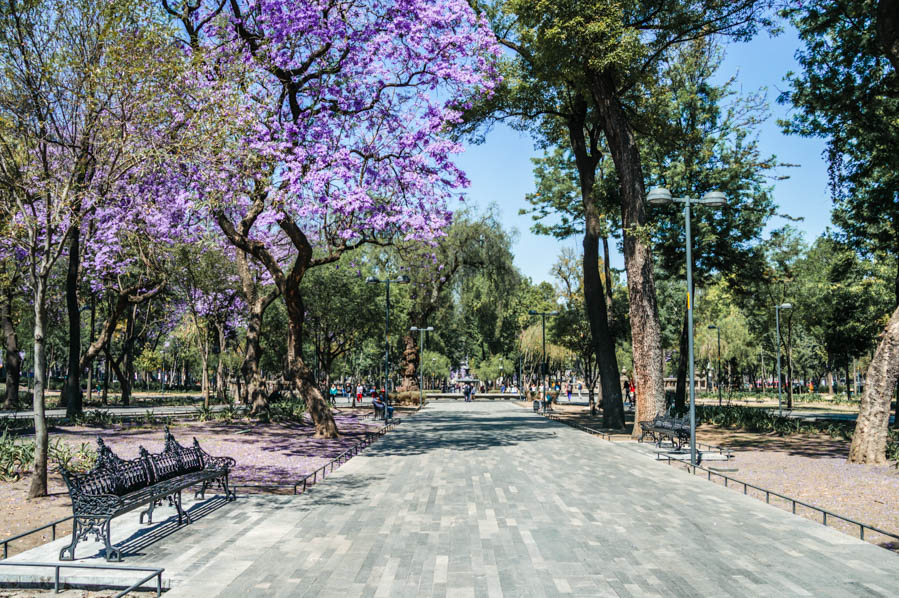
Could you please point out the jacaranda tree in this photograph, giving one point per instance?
(334, 116)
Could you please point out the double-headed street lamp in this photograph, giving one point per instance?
(421, 373)
(718, 373)
(777, 309)
(399, 280)
(660, 197)
(543, 315)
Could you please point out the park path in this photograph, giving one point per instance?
(488, 499)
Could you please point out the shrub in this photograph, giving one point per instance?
(281, 408)
(204, 413)
(101, 418)
(405, 398)
(15, 457)
(228, 414)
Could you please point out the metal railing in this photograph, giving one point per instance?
(728, 480)
(825, 514)
(154, 572)
(720, 450)
(313, 478)
(52, 525)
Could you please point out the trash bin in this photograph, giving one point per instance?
(536, 405)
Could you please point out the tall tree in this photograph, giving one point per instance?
(338, 144)
(79, 85)
(848, 93)
(475, 247)
(583, 64)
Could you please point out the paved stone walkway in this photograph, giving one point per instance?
(487, 499)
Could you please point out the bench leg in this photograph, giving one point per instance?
(112, 554)
(201, 493)
(149, 512)
(176, 498)
(229, 493)
(68, 552)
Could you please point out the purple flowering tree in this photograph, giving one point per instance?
(339, 112)
(79, 135)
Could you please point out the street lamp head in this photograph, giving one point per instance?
(402, 279)
(414, 328)
(716, 199)
(712, 327)
(659, 196)
(371, 279)
(532, 312)
(785, 306)
(553, 313)
(429, 328)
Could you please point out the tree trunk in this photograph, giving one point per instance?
(848, 385)
(253, 391)
(896, 412)
(71, 394)
(104, 399)
(644, 315)
(594, 294)
(790, 362)
(297, 371)
(220, 366)
(870, 438)
(128, 348)
(204, 363)
(830, 382)
(12, 361)
(39, 474)
(410, 364)
(680, 389)
(603, 344)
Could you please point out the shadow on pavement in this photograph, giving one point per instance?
(471, 432)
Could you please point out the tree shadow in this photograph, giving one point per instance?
(812, 446)
(447, 430)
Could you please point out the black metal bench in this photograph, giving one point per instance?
(675, 429)
(115, 486)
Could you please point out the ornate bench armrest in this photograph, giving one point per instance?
(227, 463)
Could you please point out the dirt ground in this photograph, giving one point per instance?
(807, 467)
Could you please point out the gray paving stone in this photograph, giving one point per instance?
(487, 499)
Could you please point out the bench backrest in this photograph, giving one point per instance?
(113, 475)
(110, 475)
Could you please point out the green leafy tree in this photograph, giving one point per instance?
(341, 311)
(847, 92)
(578, 70)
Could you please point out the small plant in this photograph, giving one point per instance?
(101, 418)
(76, 460)
(204, 413)
(228, 414)
(148, 419)
(15, 457)
(290, 409)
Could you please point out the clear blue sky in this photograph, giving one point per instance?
(501, 171)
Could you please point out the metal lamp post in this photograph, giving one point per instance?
(399, 280)
(718, 373)
(421, 373)
(660, 197)
(543, 315)
(777, 309)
